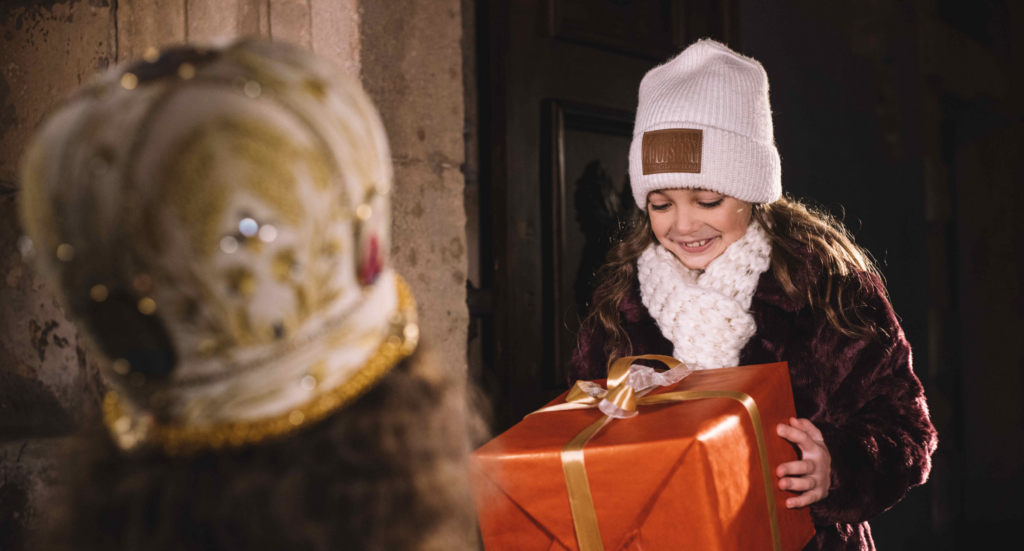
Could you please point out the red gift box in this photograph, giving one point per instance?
(684, 474)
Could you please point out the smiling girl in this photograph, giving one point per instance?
(722, 270)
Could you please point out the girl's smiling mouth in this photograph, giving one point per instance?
(695, 247)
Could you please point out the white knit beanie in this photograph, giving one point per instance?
(704, 121)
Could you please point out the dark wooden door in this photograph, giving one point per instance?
(558, 89)
(986, 434)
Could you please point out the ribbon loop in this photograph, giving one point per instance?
(585, 392)
(643, 379)
(620, 402)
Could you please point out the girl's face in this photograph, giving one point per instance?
(696, 224)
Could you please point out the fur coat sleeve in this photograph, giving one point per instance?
(860, 392)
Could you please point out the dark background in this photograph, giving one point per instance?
(905, 118)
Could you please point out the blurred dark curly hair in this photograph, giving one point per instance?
(387, 472)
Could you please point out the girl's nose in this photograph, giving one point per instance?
(685, 222)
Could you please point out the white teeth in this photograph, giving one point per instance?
(696, 245)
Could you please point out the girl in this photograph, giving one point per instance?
(722, 270)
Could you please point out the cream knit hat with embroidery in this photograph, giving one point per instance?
(704, 121)
(219, 220)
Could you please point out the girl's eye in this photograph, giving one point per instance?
(712, 204)
(661, 207)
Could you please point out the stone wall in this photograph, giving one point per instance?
(406, 52)
(411, 64)
(47, 381)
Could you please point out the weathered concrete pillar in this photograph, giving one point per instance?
(407, 53)
(146, 24)
(412, 67)
(47, 383)
(335, 33)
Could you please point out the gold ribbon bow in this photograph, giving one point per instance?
(620, 401)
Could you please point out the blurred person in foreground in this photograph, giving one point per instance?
(218, 221)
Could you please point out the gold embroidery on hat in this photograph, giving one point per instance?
(130, 429)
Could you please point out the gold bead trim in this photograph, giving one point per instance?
(176, 440)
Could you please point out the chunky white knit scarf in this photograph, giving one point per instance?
(705, 315)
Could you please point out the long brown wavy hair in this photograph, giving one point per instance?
(794, 228)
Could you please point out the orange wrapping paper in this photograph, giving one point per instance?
(677, 476)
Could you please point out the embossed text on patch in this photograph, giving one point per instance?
(672, 150)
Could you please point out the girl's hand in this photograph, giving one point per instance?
(810, 475)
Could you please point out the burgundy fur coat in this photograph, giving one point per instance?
(861, 393)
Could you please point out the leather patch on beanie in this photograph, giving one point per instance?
(672, 150)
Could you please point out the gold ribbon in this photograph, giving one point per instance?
(584, 516)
